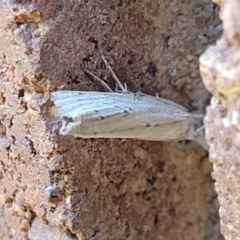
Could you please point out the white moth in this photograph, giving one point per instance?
(124, 115)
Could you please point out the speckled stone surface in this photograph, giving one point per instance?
(220, 69)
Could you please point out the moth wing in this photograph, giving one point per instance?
(81, 107)
(164, 101)
(118, 115)
(134, 125)
(73, 104)
(113, 115)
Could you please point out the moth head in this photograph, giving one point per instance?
(68, 124)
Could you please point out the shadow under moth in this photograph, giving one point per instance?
(124, 114)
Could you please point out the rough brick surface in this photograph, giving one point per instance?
(102, 189)
(220, 68)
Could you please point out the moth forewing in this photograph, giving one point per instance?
(118, 115)
(126, 129)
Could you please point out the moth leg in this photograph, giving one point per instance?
(200, 129)
(122, 91)
(119, 84)
(200, 138)
(96, 78)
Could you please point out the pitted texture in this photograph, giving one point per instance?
(220, 67)
(102, 189)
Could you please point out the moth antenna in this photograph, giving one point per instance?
(122, 88)
(96, 78)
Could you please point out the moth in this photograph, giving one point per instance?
(124, 114)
